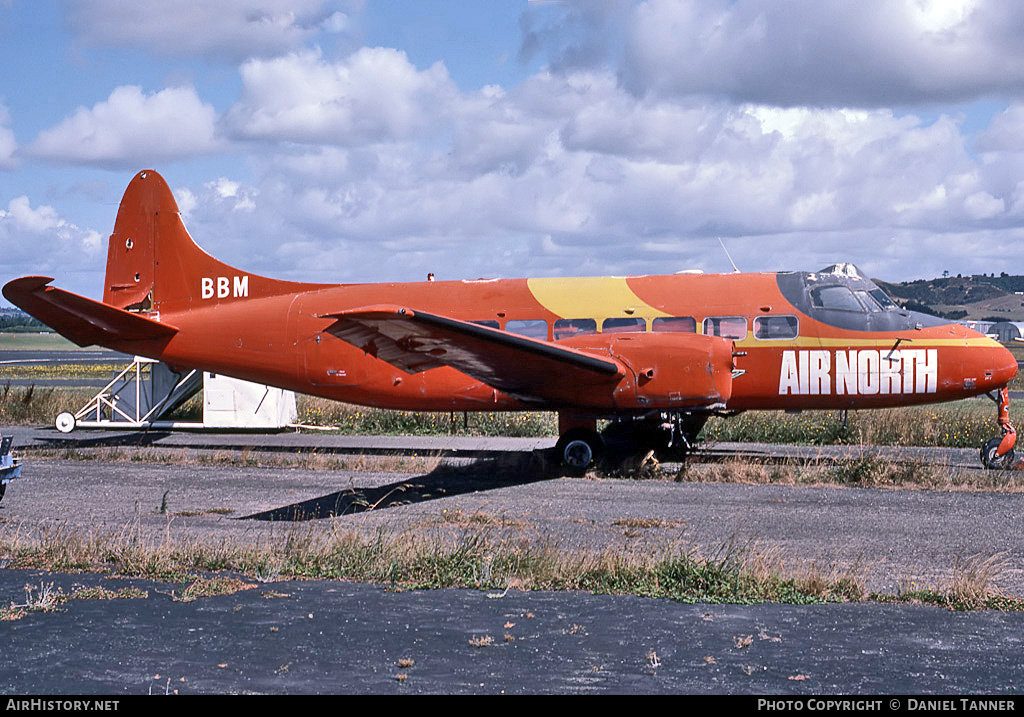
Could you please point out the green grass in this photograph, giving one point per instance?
(32, 405)
(37, 342)
(420, 561)
(474, 559)
(349, 419)
(961, 424)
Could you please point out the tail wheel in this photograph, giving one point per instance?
(997, 462)
(579, 449)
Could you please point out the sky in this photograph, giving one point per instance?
(362, 140)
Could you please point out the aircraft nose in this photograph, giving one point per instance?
(1002, 364)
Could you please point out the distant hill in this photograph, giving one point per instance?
(978, 296)
(15, 321)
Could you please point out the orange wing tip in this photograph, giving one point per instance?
(27, 284)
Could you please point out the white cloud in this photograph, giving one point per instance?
(131, 129)
(37, 240)
(801, 52)
(1006, 132)
(572, 174)
(982, 205)
(371, 168)
(234, 29)
(7, 141)
(374, 95)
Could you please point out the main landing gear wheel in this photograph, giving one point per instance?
(65, 422)
(579, 449)
(991, 460)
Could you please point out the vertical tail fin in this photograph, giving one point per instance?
(154, 265)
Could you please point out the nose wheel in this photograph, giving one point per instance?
(998, 453)
(992, 459)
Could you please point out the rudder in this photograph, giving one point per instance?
(131, 251)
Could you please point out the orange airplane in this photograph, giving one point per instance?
(657, 355)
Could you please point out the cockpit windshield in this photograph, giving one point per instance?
(842, 296)
(882, 298)
(838, 298)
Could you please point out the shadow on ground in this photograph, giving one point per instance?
(133, 439)
(443, 482)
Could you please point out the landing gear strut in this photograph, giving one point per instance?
(998, 452)
(580, 446)
(671, 432)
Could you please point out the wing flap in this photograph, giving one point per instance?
(79, 319)
(527, 368)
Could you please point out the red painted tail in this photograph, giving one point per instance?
(154, 265)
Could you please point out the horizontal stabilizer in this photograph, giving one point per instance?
(79, 319)
(527, 368)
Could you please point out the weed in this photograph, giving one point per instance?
(45, 599)
(11, 613)
(646, 523)
(973, 580)
(101, 593)
(210, 587)
(481, 640)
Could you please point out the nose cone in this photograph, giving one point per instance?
(987, 364)
(997, 365)
(1005, 364)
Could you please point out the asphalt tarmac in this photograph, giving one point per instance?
(333, 637)
(341, 638)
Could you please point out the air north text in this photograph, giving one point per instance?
(862, 372)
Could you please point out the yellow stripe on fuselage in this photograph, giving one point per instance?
(598, 297)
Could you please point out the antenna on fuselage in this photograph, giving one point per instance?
(734, 267)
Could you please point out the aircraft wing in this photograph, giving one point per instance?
(79, 319)
(526, 368)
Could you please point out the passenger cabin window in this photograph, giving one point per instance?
(678, 324)
(728, 327)
(838, 298)
(488, 323)
(533, 328)
(776, 327)
(566, 328)
(620, 326)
